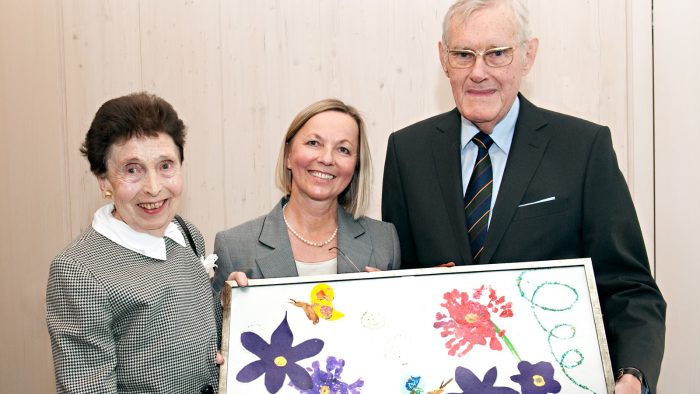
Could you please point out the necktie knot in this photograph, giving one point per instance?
(482, 140)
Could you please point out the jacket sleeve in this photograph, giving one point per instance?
(394, 206)
(79, 319)
(633, 308)
(396, 256)
(224, 263)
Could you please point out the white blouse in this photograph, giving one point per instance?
(320, 268)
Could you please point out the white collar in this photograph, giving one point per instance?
(142, 243)
(502, 134)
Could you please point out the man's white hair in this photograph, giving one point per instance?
(461, 10)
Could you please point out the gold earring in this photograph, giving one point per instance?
(108, 194)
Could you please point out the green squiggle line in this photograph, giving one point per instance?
(551, 332)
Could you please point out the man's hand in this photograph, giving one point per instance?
(447, 264)
(628, 384)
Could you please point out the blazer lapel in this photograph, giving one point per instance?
(279, 260)
(352, 243)
(446, 153)
(529, 144)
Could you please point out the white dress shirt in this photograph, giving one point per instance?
(502, 137)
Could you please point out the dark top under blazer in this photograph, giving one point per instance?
(592, 215)
(261, 247)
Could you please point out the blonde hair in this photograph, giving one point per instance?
(355, 198)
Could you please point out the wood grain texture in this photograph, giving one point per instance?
(237, 72)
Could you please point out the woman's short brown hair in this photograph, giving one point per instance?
(133, 115)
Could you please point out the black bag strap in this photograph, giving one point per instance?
(187, 233)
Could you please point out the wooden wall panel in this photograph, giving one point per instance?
(281, 56)
(34, 197)
(181, 62)
(102, 61)
(237, 72)
(677, 139)
(581, 64)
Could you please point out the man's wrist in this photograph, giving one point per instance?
(630, 371)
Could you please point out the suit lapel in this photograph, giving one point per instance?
(529, 143)
(351, 242)
(446, 153)
(279, 261)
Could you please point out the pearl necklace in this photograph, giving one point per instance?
(304, 240)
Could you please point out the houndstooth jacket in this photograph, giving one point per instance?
(121, 322)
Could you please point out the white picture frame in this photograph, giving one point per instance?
(524, 326)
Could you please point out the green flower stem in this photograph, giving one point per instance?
(506, 340)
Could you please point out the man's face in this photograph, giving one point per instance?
(484, 94)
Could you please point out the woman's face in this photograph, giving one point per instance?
(145, 178)
(322, 156)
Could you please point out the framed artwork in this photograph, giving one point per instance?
(503, 328)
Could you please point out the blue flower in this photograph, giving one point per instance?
(278, 358)
(412, 383)
(470, 384)
(537, 378)
(328, 381)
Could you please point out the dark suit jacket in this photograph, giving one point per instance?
(261, 247)
(592, 215)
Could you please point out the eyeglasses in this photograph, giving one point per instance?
(494, 57)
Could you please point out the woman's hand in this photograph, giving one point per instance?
(371, 269)
(239, 277)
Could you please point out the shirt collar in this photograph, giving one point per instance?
(502, 134)
(142, 243)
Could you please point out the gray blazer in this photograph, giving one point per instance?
(261, 247)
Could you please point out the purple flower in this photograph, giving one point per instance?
(278, 359)
(537, 378)
(328, 381)
(469, 383)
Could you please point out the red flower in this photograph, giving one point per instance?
(468, 322)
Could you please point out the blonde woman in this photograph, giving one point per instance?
(318, 227)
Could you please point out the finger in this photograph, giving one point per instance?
(219, 359)
(239, 277)
(371, 269)
(448, 264)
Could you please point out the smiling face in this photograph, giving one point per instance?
(485, 94)
(145, 178)
(322, 156)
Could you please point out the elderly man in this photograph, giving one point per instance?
(498, 179)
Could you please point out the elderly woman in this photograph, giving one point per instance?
(324, 170)
(129, 304)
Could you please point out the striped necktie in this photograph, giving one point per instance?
(477, 199)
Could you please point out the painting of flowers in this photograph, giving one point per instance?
(530, 328)
(330, 381)
(536, 378)
(278, 359)
(469, 322)
(470, 383)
